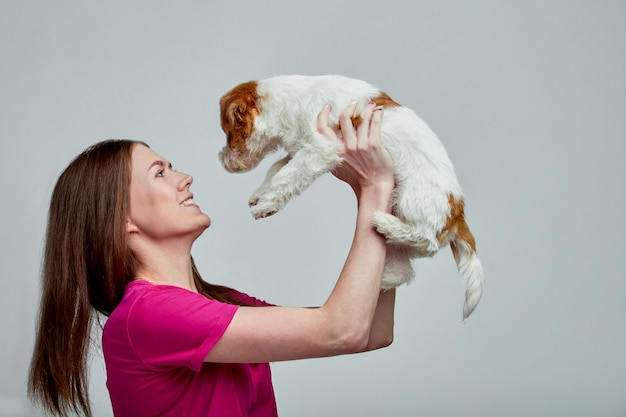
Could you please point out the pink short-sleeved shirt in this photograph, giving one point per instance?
(154, 347)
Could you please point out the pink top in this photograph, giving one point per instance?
(154, 346)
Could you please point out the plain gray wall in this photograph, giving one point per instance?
(528, 97)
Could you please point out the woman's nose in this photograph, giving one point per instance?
(185, 181)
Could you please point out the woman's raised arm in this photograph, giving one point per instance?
(356, 316)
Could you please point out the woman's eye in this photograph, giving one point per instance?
(160, 173)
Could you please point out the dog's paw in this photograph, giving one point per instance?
(261, 213)
(392, 228)
(261, 208)
(395, 278)
(397, 231)
(253, 201)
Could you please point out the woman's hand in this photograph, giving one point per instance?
(366, 162)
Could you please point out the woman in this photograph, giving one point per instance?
(120, 231)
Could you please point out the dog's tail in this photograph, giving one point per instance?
(464, 250)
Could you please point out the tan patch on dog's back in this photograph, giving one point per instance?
(381, 100)
(238, 108)
(384, 100)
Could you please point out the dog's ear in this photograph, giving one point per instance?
(238, 113)
(238, 102)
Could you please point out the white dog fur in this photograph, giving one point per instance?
(259, 117)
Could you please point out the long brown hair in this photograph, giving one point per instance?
(86, 267)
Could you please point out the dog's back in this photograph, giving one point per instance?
(299, 98)
(423, 168)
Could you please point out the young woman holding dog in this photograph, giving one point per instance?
(120, 231)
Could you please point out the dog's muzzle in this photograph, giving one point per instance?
(234, 161)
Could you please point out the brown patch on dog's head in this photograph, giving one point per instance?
(381, 100)
(456, 224)
(238, 109)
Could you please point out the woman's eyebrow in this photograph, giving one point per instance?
(160, 163)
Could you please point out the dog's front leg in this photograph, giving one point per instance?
(277, 166)
(290, 179)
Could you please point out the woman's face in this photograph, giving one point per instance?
(161, 205)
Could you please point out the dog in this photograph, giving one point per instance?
(259, 117)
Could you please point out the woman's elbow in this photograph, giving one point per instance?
(365, 341)
(352, 341)
(386, 342)
(380, 341)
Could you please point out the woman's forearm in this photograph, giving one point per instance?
(381, 332)
(354, 301)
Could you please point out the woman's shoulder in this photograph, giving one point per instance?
(144, 294)
(147, 307)
(143, 301)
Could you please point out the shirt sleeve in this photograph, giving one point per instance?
(171, 326)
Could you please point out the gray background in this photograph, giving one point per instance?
(528, 97)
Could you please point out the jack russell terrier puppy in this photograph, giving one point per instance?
(259, 117)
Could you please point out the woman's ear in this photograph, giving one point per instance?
(131, 227)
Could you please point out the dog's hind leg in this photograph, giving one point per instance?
(398, 269)
(397, 231)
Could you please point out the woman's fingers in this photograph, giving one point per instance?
(345, 124)
(375, 125)
(323, 127)
(362, 147)
(363, 129)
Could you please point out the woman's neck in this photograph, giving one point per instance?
(166, 265)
